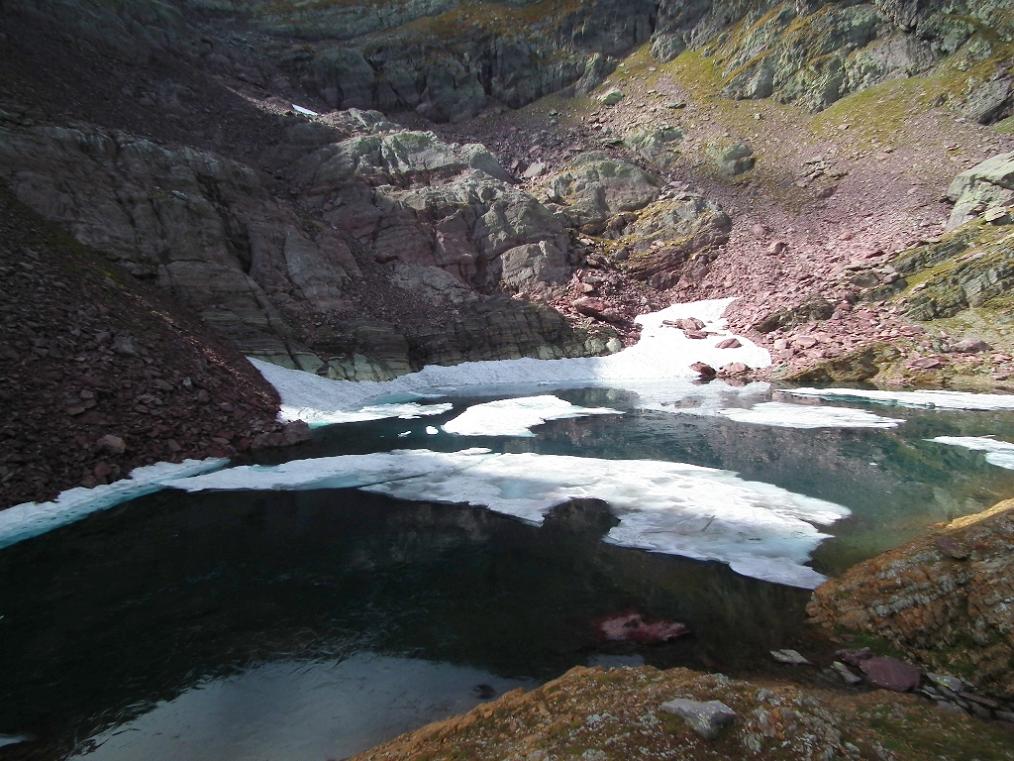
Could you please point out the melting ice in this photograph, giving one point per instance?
(999, 453)
(517, 417)
(33, 518)
(759, 529)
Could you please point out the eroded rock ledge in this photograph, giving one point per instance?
(946, 599)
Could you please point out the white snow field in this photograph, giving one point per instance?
(760, 530)
(662, 355)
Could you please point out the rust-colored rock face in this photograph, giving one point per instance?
(945, 599)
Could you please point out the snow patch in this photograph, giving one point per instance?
(30, 519)
(785, 415)
(948, 400)
(516, 417)
(662, 355)
(999, 453)
(759, 529)
(304, 111)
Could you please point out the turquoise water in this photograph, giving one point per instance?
(313, 624)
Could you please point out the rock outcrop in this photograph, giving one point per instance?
(814, 53)
(618, 714)
(943, 599)
(986, 186)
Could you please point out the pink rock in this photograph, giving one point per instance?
(728, 343)
(777, 247)
(890, 673)
(733, 369)
(631, 627)
(706, 371)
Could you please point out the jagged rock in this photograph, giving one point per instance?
(671, 233)
(984, 186)
(791, 657)
(732, 160)
(612, 97)
(594, 187)
(705, 371)
(657, 145)
(848, 675)
(733, 370)
(943, 613)
(707, 718)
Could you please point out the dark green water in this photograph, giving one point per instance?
(310, 625)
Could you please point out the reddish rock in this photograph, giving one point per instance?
(733, 370)
(706, 371)
(684, 323)
(631, 627)
(728, 343)
(778, 247)
(589, 306)
(890, 673)
(696, 334)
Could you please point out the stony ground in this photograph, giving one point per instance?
(102, 374)
(833, 199)
(604, 715)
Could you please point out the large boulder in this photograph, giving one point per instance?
(670, 232)
(985, 186)
(594, 186)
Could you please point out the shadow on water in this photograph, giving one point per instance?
(104, 619)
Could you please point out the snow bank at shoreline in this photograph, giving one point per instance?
(30, 519)
(663, 354)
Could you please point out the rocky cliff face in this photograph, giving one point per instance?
(362, 245)
(103, 374)
(944, 599)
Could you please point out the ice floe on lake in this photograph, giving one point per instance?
(662, 355)
(517, 416)
(999, 453)
(30, 519)
(759, 529)
(785, 415)
(949, 400)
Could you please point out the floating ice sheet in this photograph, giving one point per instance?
(405, 411)
(759, 529)
(999, 453)
(663, 355)
(516, 417)
(785, 415)
(949, 400)
(30, 519)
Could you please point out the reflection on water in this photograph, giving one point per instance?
(312, 624)
(299, 710)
